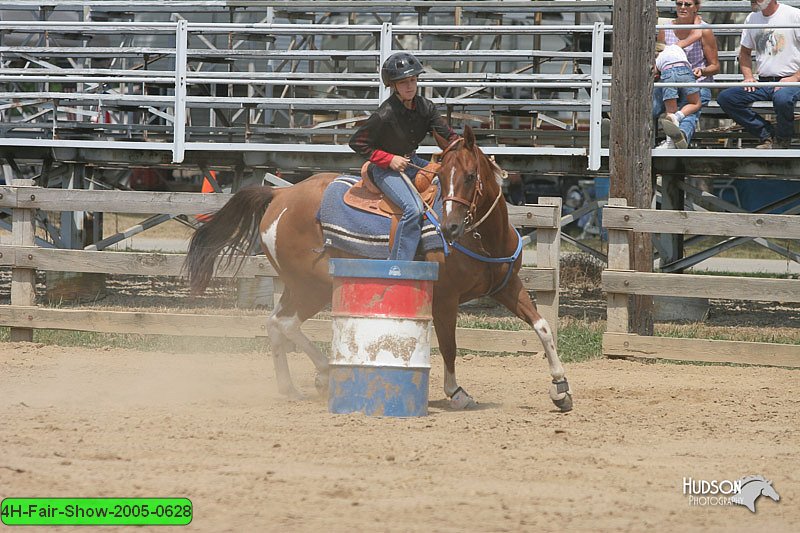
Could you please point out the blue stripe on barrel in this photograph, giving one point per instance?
(380, 357)
(377, 268)
(378, 391)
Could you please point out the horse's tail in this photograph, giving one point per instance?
(233, 228)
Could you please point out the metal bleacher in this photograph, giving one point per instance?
(259, 86)
(282, 85)
(272, 90)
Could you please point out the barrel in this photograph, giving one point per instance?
(381, 350)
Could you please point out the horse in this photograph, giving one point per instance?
(751, 488)
(480, 263)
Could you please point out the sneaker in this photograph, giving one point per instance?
(766, 144)
(667, 144)
(682, 143)
(670, 124)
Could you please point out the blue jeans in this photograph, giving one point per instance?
(409, 228)
(689, 124)
(677, 75)
(736, 102)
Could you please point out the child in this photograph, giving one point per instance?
(674, 67)
(389, 139)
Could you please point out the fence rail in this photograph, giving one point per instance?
(619, 282)
(25, 259)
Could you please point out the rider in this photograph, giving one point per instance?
(389, 139)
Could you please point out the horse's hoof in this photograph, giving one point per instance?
(565, 403)
(293, 395)
(561, 395)
(321, 383)
(461, 400)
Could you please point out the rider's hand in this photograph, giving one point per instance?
(399, 163)
(749, 79)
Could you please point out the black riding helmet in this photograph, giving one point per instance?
(399, 66)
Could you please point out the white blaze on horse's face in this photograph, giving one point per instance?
(448, 206)
(270, 237)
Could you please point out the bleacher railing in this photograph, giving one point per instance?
(156, 90)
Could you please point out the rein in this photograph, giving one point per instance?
(489, 212)
(511, 259)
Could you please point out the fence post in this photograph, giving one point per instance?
(618, 259)
(23, 280)
(596, 96)
(179, 117)
(548, 249)
(385, 46)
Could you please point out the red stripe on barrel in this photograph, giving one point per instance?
(396, 298)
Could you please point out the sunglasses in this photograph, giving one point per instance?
(684, 4)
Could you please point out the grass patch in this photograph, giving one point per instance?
(145, 343)
(732, 333)
(580, 340)
(486, 321)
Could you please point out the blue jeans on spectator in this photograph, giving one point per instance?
(736, 102)
(689, 124)
(398, 190)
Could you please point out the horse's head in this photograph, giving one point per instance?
(768, 490)
(468, 177)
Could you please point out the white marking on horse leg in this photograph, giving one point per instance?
(280, 344)
(291, 328)
(270, 237)
(448, 206)
(542, 329)
(450, 385)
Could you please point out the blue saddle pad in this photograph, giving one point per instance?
(361, 233)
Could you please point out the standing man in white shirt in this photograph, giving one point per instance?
(777, 60)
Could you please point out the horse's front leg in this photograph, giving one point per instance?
(516, 299)
(445, 311)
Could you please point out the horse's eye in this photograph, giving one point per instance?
(470, 178)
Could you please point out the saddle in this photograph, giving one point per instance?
(366, 196)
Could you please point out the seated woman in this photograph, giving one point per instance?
(703, 58)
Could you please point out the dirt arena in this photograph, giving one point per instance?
(77, 422)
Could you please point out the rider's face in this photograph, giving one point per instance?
(406, 88)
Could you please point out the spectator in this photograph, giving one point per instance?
(703, 58)
(673, 67)
(777, 60)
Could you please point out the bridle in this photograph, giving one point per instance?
(470, 227)
(472, 204)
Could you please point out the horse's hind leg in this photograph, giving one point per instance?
(516, 299)
(280, 345)
(284, 324)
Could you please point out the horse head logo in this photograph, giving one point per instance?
(752, 488)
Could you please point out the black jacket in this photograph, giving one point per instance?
(397, 130)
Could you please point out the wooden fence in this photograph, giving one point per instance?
(24, 258)
(619, 282)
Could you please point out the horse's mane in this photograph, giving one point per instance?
(749, 479)
(498, 173)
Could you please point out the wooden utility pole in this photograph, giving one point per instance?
(634, 41)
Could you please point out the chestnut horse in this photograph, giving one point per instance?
(482, 260)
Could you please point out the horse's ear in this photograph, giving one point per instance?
(440, 141)
(469, 138)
